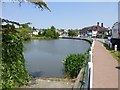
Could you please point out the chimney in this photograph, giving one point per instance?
(97, 23)
(101, 24)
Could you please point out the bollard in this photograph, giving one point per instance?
(115, 48)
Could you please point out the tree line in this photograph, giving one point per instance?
(50, 33)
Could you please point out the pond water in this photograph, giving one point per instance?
(44, 57)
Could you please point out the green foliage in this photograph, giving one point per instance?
(38, 37)
(72, 33)
(26, 25)
(51, 33)
(23, 32)
(14, 73)
(8, 21)
(73, 64)
(39, 33)
(116, 55)
(39, 3)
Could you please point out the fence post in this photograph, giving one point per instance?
(91, 73)
(115, 48)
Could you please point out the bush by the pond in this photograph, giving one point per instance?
(73, 64)
(14, 73)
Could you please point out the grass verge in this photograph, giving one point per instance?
(115, 54)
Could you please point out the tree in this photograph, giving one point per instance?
(38, 3)
(26, 25)
(14, 73)
(33, 28)
(53, 28)
(51, 33)
(72, 33)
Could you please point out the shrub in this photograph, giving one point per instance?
(73, 64)
(14, 73)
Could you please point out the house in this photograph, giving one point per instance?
(35, 31)
(62, 32)
(115, 38)
(95, 31)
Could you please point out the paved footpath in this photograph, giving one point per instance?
(105, 73)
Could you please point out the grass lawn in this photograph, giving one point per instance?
(115, 54)
(35, 37)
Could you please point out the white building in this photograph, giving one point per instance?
(94, 33)
(97, 30)
(35, 32)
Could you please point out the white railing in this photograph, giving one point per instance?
(90, 65)
(89, 69)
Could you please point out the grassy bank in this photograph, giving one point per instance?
(35, 37)
(115, 54)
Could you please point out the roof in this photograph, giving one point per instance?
(94, 27)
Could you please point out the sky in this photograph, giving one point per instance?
(63, 15)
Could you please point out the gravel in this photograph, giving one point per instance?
(49, 83)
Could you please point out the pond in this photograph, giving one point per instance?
(44, 57)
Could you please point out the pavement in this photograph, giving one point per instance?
(105, 73)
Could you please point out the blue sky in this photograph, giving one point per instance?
(65, 15)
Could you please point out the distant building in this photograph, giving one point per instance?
(35, 31)
(95, 31)
(63, 32)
